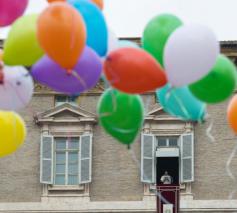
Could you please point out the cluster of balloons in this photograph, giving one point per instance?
(196, 71)
(69, 47)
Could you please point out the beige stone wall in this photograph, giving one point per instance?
(19, 173)
(211, 178)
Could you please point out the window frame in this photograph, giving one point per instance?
(66, 151)
(56, 103)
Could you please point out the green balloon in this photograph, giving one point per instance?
(157, 32)
(219, 84)
(21, 46)
(121, 115)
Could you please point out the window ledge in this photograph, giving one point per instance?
(66, 188)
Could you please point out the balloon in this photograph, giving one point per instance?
(121, 115)
(84, 77)
(21, 46)
(181, 103)
(10, 10)
(99, 3)
(219, 84)
(157, 32)
(191, 51)
(232, 112)
(12, 132)
(133, 71)
(126, 43)
(113, 42)
(1, 55)
(97, 33)
(16, 89)
(52, 1)
(62, 34)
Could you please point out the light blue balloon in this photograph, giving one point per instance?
(180, 103)
(97, 32)
(126, 43)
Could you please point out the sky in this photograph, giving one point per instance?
(128, 18)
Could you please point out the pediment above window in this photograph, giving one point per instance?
(158, 114)
(65, 113)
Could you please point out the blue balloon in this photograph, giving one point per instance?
(126, 43)
(180, 103)
(97, 32)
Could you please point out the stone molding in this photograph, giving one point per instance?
(83, 204)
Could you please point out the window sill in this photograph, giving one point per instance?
(66, 188)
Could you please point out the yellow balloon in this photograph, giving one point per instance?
(12, 132)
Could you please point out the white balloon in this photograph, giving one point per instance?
(17, 88)
(190, 53)
(113, 42)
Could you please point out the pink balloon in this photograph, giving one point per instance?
(10, 10)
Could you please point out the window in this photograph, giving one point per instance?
(61, 99)
(171, 141)
(65, 161)
(149, 145)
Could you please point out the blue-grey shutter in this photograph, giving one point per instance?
(85, 159)
(148, 158)
(46, 159)
(187, 158)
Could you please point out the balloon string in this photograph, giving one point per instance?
(182, 107)
(114, 104)
(209, 129)
(83, 83)
(137, 163)
(229, 172)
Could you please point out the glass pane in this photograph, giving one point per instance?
(162, 141)
(60, 169)
(173, 141)
(73, 169)
(61, 98)
(60, 143)
(73, 180)
(72, 99)
(60, 180)
(73, 143)
(73, 157)
(60, 158)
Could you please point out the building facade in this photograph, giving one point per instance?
(69, 164)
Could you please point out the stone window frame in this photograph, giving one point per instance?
(158, 115)
(61, 127)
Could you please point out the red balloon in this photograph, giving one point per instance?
(133, 71)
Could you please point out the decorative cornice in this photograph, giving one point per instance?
(79, 115)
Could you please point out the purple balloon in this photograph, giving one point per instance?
(84, 76)
(10, 10)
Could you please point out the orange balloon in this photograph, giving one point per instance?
(232, 113)
(62, 34)
(51, 1)
(99, 3)
(133, 71)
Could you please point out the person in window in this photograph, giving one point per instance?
(166, 179)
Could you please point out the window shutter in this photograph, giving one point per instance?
(46, 159)
(187, 158)
(148, 158)
(85, 159)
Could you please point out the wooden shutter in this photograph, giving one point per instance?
(148, 158)
(85, 159)
(46, 159)
(187, 158)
